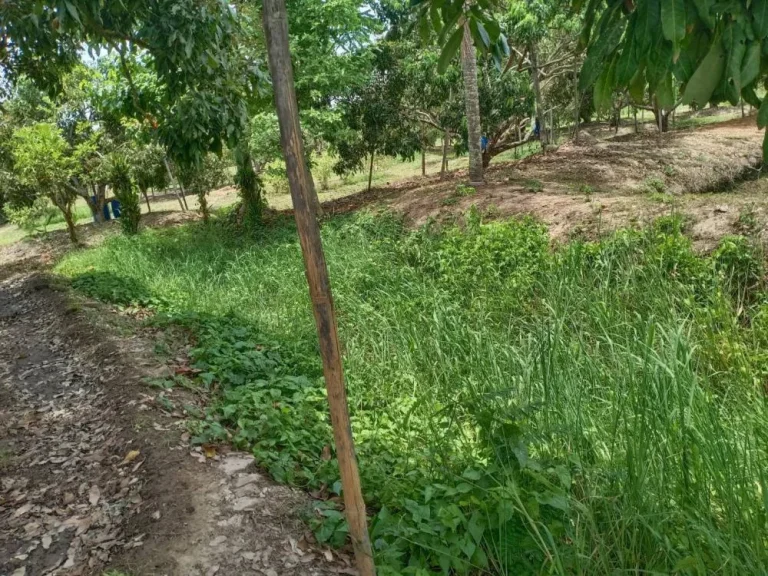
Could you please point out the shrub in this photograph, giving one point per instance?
(534, 186)
(654, 185)
(586, 189)
(747, 222)
(32, 219)
(126, 193)
(740, 264)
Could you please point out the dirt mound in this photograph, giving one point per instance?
(588, 187)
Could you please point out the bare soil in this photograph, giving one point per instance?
(589, 187)
(95, 473)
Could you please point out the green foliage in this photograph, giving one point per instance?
(126, 193)
(654, 185)
(740, 263)
(464, 190)
(193, 48)
(42, 166)
(41, 162)
(445, 19)
(204, 176)
(147, 168)
(249, 186)
(32, 219)
(586, 189)
(711, 49)
(372, 115)
(593, 408)
(748, 222)
(533, 186)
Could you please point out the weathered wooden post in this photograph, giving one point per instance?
(304, 199)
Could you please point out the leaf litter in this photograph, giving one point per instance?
(92, 466)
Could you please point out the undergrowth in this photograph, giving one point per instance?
(595, 408)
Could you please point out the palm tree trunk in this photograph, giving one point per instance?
(472, 103)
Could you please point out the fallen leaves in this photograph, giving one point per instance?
(130, 457)
(209, 450)
(21, 511)
(94, 495)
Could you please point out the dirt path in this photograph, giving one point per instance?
(94, 476)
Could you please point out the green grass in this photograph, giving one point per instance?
(595, 409)
(10, 234)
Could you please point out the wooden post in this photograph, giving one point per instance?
(302, 194)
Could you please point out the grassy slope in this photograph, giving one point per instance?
(596, 410)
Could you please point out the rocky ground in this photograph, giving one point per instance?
(95, 475)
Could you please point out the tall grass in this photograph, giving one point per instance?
(592, 409)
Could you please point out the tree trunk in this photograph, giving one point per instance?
(66, 209)
(98, 215)
(446, 145)
(540, 112)
(576, 106)
(203, 202)
(423, 152)
(661, 118)
(302, 192)
(146, 199)
(180, 192)
(248, 185)
(472, 104)
(370, 172)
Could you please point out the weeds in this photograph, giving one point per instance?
(748, 223)
(534, 186)
(592, 409)
(660, 197)
(653, 185)
(586, 189)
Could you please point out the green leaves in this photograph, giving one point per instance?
(664, 93)
(703, 9)
(734, 43)
(673, 19)
(604, 88)
(762, 114)
(708, 75)
(595, 62)
(450, 49)
(759, 12)
(765, 147)
(750, 67)
(646, 26)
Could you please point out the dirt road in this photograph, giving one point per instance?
(95, 476)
